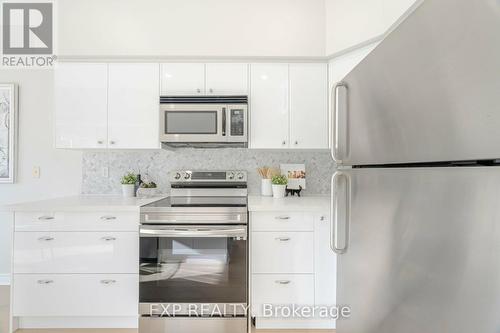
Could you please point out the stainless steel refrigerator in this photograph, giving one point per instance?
(416, 196)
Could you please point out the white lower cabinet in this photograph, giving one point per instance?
(291, 265)
(69, 265)
(281, 289)
(76, 221)
(75, 252)
(282, 252)
(75, 295)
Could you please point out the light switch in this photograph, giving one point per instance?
(105, 172)
(36, 172)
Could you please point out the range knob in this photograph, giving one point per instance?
(177, 176)
(187, 176)
(230, 176)
(240, 176)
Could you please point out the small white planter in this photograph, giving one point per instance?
(128, 190)
(266, 188)
(279, 191)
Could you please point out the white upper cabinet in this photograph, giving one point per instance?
(193, 79)
(81, 103)
(226, 79)
(308, 106)
(133, 106)
(269, 121)
(182, 79)
(288, 106)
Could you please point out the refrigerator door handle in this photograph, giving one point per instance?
(340, 212)
(339, 146)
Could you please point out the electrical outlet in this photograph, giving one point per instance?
(36, 172)
(105, 172)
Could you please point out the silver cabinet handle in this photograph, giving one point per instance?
(198, 90)
(100, 142)
(46, 218)
(46, 238)
(108, 218)
(211, 90)
(283, 143)
(340, 212)
(282, 217)
(45, 281)
(282, 239)
(322, 218)
(108, 238)
(340, 144)
(112, 142)
(108, 281)
(282, 281)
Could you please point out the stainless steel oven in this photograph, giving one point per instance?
(204, 121)
(194, 256)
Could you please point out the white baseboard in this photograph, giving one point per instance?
(4, 279)
(78, 322)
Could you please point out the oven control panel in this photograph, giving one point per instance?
(208, 176)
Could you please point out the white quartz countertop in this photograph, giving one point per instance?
(289, 204)
(83, 203)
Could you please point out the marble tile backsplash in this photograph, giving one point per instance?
(157, 164)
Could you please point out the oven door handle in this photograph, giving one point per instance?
(193, 232)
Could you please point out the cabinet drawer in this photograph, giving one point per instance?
(77, 221)
(76, 252)
(75, 295)
(282, 221)
(282, 252)
(281, 289)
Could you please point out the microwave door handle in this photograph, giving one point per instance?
(223, 121)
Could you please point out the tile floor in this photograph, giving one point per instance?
(4, 322)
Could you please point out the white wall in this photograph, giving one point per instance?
(351, 22)
(191, 27)
(60, 170)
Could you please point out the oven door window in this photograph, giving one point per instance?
(190, 122)
(192, 270)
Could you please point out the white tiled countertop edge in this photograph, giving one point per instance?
(82, 203)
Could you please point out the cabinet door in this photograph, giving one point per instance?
(226, 79)
(269, 106)
(308, 106)
(133, 106)
(182, 79)
(81, 105)
(325, 263)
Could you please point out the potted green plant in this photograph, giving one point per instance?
(128, 184)
(147, 189)
(279, 186)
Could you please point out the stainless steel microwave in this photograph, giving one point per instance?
(205, 121)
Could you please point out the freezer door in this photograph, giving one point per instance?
(429, 92)
(421, 252)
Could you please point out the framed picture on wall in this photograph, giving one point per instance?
(296, 174)
(8, 132)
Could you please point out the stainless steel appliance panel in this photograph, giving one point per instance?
(190, 325)
(429, 92)
(418, 249)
